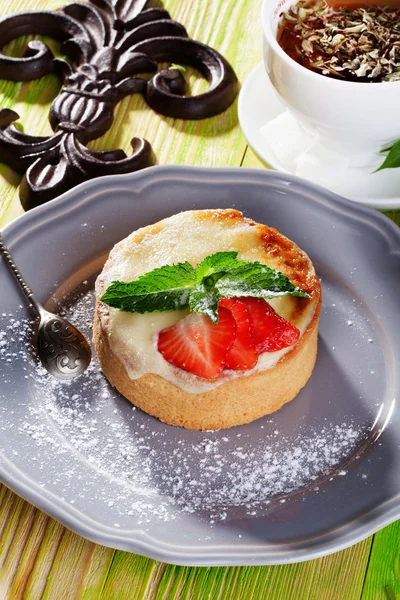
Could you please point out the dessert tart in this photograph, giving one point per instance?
(207, 319)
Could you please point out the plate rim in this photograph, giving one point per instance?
(194, 556)
(136, 540)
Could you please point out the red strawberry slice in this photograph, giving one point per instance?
(242, 355)
(195, 344)
(270, 331)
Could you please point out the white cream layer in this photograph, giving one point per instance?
(133, 337)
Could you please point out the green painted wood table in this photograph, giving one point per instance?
(39, 558)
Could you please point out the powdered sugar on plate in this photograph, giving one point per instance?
(138, 467)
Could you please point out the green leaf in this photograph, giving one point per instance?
(245, 279)
(392, 161)
(216, 263)
(165, 288)
(257, 281)
(205, 299)
(386, 149)
(220, 275)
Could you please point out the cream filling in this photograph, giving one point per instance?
(133, 337)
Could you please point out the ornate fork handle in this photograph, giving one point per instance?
(62, 348)
(25, 287)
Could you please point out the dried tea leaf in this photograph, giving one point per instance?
(355, 43)
(339, 37)
(307, 46)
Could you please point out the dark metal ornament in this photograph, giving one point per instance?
(108, 43)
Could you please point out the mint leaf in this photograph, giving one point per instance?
(220, 275)
(386, 149)
(392, 160)
(254, 280)
(216, 263)
(251, 279)
(205, 297)
(257, 281)
(165, 288)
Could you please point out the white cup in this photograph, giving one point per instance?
(351, 118)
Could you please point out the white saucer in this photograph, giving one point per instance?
(280, 141)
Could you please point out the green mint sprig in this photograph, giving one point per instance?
(392, 160)
(221, 275)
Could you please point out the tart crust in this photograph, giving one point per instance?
(235, 402)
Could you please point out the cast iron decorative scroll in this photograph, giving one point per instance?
(108, 43)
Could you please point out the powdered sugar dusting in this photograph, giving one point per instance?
(137, 467)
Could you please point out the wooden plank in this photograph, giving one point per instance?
(3, 492)
(27, 549)
(11, 523)
(252, 161)
(336, 577)
(41, 568)
(5, 510)
(96, 574)
(188, 583)
(14, 537)
(204, 583)
(132, 577)
(170, 584)
(71, 564)
(382, 581)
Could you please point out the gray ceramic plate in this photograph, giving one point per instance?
(317, 476)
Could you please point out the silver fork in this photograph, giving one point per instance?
(62, 348)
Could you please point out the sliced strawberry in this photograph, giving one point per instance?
(195, 344)
(242, 355)
(270, 331)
